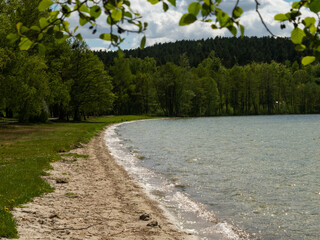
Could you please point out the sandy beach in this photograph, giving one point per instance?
(94, 198)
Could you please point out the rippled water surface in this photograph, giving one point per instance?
(259, 174)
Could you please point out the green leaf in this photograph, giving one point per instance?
(307, 60)
(127, 3)
(173, 2)
(54, 15)
(44, 5)
(24, 29)
(25, 44)
(300, 47)
(95, 11)
(84, 8)
(194, 8)
(105, 36)
(109, 20)
(143, 42)
(153, 1)
(280, 17)
(66, 24)
(233, 30)
(42, 49)
(114, 38)
(13, 37)
(79, 37)
(40, 36)
(165, 6)
(83, 20)
(66, 10)
(296, 5)
(313, 29)
(128, 14)
(35, 28)
(43, 22)
(297, 36)
(205, 10)
(242, 30)
(62, 39)
(224, 19)
(309, 21)
(19, 25)
(187, 19)
(237, 12)
(116, 14)
(314, 6)
(213, 26)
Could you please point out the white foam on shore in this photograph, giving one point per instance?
(142, 175)
(172, 199)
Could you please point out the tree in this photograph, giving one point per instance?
(59, 60)
(122, 80)
(91, 88)
(25, 90)
(169, 88)
(143, 97)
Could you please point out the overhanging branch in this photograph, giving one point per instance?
(261, 18)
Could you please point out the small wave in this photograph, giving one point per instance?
(186, 204)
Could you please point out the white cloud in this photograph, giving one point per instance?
(164, 27)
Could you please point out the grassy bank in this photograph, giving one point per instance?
(25, 154)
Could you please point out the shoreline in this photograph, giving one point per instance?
(94, 198)
(191, 217)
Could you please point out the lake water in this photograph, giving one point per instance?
(251, 177)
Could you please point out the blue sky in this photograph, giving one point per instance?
(163, 27)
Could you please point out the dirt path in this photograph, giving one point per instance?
(94, 199)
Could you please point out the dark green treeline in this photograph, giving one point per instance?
(231, 51)
(142, 87)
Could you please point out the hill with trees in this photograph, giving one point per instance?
(231, 51)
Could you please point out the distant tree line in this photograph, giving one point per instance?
(210, 89)
(231, 51)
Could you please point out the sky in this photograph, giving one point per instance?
(164, 27)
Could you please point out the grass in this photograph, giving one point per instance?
(70, 195)
(25, 154)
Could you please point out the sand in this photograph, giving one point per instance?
(94, 198)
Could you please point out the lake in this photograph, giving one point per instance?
(229, 177)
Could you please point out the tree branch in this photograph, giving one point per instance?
(261, 18)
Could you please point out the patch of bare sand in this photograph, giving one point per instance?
(95, 198)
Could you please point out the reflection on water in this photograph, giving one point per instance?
(259, 173)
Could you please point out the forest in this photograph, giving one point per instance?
(231, 51)
(210, 89)
(71, 82)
